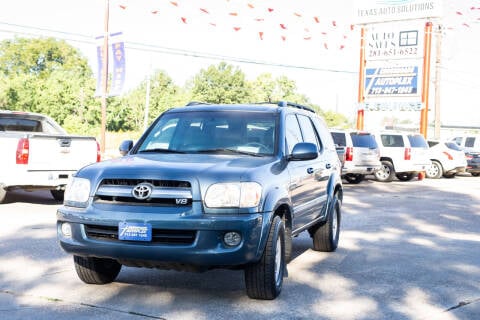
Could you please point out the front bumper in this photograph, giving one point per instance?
(207, 248)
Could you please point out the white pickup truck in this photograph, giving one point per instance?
(36, 153)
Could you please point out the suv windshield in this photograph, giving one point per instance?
(213, 132)
(363, 140)
(417, 141)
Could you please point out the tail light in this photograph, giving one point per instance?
(468, 157)
(99, 155)
(408, 154)
(449, 156)
(23, 151)
(349, 154)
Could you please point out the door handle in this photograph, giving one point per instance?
(328, 166)
(310, 170)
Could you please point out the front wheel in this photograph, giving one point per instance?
(96, 270)
(386, 172)
(264, 279)
(326, 236)
(354, 178)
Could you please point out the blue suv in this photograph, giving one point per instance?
(208, 186)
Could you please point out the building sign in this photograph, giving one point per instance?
(394, 41)
(391, 81)
(117, 68)
(370, 11)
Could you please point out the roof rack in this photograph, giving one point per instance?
(195, 103)
(294, 105)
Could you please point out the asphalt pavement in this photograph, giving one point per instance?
(408, 250)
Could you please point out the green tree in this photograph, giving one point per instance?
(48, 76)
(265, 88)
(221, 84)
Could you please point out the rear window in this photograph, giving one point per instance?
(363, 140)
(417, 141)
(453, 146)
(16, 124)
(339, 139)
(470, 142)
(392, 140)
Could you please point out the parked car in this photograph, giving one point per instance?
(38, 154)
(361, 156)
(403, 155)
(469, 143)
(208, 186)
(447, 158)
(473, 163)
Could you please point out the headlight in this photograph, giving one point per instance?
(77, 192)
(233, 195)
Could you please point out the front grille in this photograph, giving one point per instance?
(164, 192)
(159, 236)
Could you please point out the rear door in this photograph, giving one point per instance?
(365, 150)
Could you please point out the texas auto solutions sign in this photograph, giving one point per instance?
(369, 11)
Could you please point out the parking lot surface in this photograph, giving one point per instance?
(408, 250)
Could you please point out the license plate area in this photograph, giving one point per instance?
(133, 231)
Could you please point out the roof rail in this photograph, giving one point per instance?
(195, 103)
(294, 105)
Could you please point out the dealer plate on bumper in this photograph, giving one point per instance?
(134, 231)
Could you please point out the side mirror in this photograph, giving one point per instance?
(125, 147)
(304, 151)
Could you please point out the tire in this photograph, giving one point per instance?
(435, 171)
(326, 236)
(449, 175)
(264, 279)
(386, 172)
(288, 243)
(96, 270)
(354, 178)
(58, 194)
(3, 194)
(475, 174)
(405, 176)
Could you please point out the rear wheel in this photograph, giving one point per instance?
(96, 270)
(386, 172)
(326, 236)
(264, 279)
(449, 175)
(405, 176)
(354, 178)
(475, 174)
(435, 171)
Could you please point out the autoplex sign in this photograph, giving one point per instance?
(371, 11)
(391, 81)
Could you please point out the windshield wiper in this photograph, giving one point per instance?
(160, 150)
(229, 151)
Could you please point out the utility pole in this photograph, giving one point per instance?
(438, 66)
(104, 79)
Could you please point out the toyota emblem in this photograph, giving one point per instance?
(142, 191)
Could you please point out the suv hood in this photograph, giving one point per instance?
(179, 167)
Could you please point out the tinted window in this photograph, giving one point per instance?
(192, 132)
(417, 141)
(453, 146)
(293, 134)
(17, 124)
(469, 142)
(339, 139)
(308, 131)
(363, 140)
(392, 140)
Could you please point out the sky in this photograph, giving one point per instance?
(315, 43)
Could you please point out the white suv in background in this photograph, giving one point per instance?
(403, 155)
(470, 143)
(362, 155)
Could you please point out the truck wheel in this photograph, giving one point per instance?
(288, 243)
(386, 172)
(475, 174)
(435, 171)
(354, 178)
(57, 194)
(3, 194)
(449, 175)
(264, 279)
(405, 176)
(96, 270)
(326, 236)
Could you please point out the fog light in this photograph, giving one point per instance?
(66, 230)
(232, 238)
